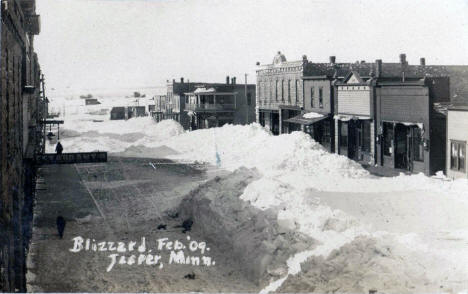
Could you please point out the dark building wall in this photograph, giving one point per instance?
(245, 112)
(20, 137)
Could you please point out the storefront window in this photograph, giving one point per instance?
(458, 156)
(418, 148)
(366, 141)
(388, 137)
(344, 135)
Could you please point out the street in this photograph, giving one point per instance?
(121, 202)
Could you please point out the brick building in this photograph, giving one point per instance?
(22, 110)
(279, 93)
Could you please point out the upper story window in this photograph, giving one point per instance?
(289, 90)
(276, 90)
(282, 90)
(297, 90)
(321, 97)
(271, 90)
(312, 91)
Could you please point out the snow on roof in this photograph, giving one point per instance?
(312, 115)
(204, 90)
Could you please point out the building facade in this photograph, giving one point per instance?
(279, 93)
(214, 105)
(457, 141)
(409, 128)
(22, 112)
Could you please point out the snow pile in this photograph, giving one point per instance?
(312, 115)
(116, 135)
(299, 179)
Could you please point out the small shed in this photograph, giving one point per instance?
(117, 112)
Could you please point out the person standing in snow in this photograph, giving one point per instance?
(59, 148)
(60, 225)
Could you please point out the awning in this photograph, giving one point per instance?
(300, 119)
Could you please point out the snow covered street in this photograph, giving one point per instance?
(397, 235)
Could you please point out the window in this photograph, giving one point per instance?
(418, 148)
(321, 97)
(282, 90)
(249, 99)
(211, 99)
(297, 89)
(366, 137)
(260, 89)
(289, 90)
(271, 90)
(312, 91)
(276, 90)
(457, 156)
(344, 135)
(388, 137)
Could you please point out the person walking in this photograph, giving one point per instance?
(60, 225)
(59, 148)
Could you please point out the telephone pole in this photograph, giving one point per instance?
(247, 100)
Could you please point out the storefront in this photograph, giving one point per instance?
(355, 139)
(270, 120)
(403, 145)
(318, 126)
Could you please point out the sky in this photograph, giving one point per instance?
(113, 44)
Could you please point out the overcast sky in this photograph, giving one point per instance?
(129, 43)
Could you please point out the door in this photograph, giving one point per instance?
(401, 147)
(353, 139)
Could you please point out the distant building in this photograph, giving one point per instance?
(457, 140)
(117, 113)
(177, 100)
(135, 111)
(159, 107)
(91, 101)
(216, 105)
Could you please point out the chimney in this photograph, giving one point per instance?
(332, 59)
(422, 61)
(378, 68)
(173, 81)
(363, 61)
(227, 80)
(403, 59)
(234, 80)
(181, 80)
